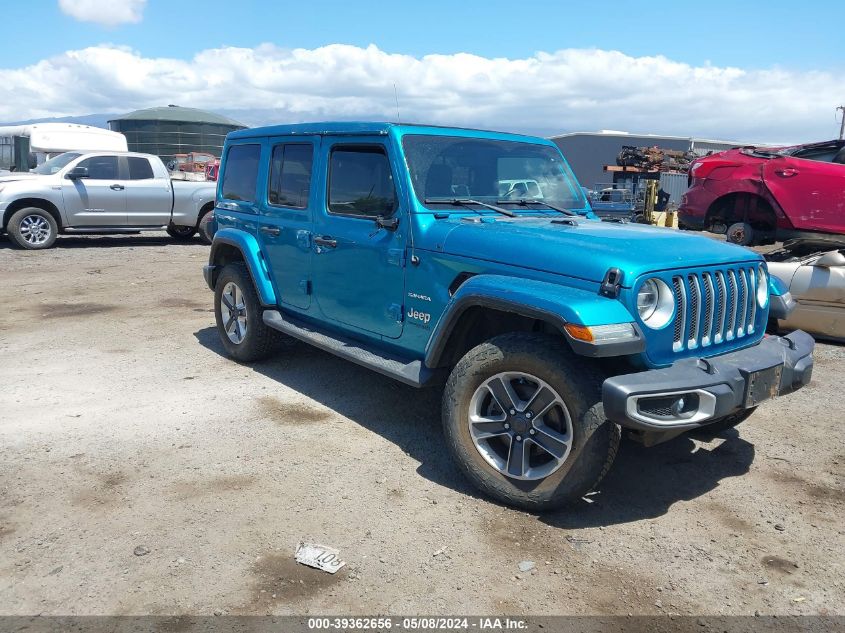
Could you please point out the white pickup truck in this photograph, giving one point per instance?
(100, 192)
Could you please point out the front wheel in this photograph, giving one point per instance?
(33, 228)
(524, 421)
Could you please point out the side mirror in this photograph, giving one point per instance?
(77, 173)
(390, 224)
(830, 260)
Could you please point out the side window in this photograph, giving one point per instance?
(360, 182)
(140, 168)
(290, 175)
(100, 167)
(241, 173)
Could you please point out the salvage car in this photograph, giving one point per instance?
(552, 330)
(99, 192)
(761, 195)
(813, 271)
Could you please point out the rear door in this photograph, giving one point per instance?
(359, 274)
(811, 192)
(149, 197)
(284, 229)
(98, 200)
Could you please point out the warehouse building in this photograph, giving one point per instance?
(171, 130)
(589, 152)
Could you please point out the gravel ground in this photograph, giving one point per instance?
(122, 426)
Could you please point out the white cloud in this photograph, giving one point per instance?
(104, 12)
(567, 90)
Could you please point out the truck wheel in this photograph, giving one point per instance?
(740, 233)
(204, 227)
(729, 421)
(181, 233)
(238, 312)
(523, 419)
(33, 228)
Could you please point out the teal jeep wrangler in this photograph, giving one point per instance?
(431, 254)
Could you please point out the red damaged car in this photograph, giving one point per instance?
(761, 195)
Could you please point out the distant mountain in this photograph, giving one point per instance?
(97, 120)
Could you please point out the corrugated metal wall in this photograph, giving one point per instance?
(675, 185)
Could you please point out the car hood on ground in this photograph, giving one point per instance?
(587, 249)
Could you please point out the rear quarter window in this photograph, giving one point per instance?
(240, 174)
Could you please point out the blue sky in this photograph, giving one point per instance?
(802, 35)
(745, 71)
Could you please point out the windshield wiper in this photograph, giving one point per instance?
(525, 202)
(462, 202)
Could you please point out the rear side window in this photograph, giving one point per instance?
(241, 172)
(290, 175)
(139, 168)
(100, 167)
(360, 182)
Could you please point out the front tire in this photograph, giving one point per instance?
(239, 316)
(524, 421)
(33, 229)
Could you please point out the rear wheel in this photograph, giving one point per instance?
(524, 421)
(740, 233)
(181, 233)
(239, 316)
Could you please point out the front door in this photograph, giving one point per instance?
(359, 273)
(284, 229)
(149, 200)
(811, 192)
(99, 199)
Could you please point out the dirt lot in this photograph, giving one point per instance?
(122, 425)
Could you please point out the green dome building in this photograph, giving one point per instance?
(170, 130)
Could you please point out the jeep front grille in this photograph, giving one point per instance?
(714, 306)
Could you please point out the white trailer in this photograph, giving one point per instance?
(23, 147)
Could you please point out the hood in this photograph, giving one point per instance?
(588, 249)
(16, 175)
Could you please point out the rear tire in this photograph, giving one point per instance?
(33, 229)
(239, 316)
(574, 426)
(740, 233)
(204, 227)
(181, 233)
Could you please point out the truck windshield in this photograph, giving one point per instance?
(55, 164)
(448, 168)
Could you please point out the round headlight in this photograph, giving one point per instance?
(655, 303)
(647, 299)
(762, 287)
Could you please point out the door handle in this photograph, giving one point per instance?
(786, 172)
(326, 241)
(117, 187)
(271, 230)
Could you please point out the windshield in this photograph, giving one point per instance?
(445, 168)
(56, 164)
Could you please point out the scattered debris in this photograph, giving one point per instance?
(141, 550)
(526, 565)
(56, 570)
(779, 527)
(799, 599)
(574, 539)
(319, 556)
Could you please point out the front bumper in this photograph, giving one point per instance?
(697, 391)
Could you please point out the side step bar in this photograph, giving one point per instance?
(412, 373)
